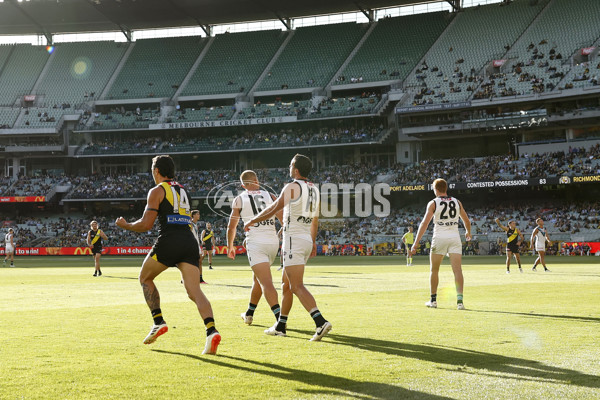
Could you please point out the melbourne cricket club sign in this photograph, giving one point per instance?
(223, 123)
(337, 199)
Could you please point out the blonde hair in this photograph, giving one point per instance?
(440, 185)
(93, 222)
(248, 176)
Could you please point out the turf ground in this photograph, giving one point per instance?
(67, 335)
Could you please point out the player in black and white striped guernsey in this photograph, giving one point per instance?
(300, 201)
(262, 242)
(445, 211)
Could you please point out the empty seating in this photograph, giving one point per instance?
(20, 72)
(156, 67)
(394, 47)
(234, 62)
(8, 116)
(79, 72)
(313, 56)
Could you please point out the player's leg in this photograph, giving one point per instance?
(295, 274)
(287, 300)
(210, 255)
(456, 262)
(97, 263)
(151, 268)
(543, 260)
(508, 258)
(518, 258)
(191, 275)
(255, 295)
(435, 260)
(536, 262)
(200, 268)
(262, 273)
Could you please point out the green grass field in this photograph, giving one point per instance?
(67, 335)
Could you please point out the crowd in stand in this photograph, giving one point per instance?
(379, 234)
(31, 186)
(286, 137)
(576, 161)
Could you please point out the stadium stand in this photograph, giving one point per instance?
(541, 58)
(312, 56)
(276, 109)
(234, 62)
(124, 119)
(79, 72)
(276, 138)
(394, 48)
(8, 116)
(35, 117)
(201, 114)
(150, 71)
(452, 68)
(20, 72)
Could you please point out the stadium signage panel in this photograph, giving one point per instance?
(80, 251)
(23, 199)
(490, 184)
(224, 123)
(433, 107)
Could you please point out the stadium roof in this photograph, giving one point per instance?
(21, 17)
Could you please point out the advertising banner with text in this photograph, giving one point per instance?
(112, 250)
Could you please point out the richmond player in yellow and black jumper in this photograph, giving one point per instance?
(514, 238)
(94, 242)
(208, 244)
(176, 246)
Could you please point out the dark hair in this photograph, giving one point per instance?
(303, 164)
(165, 165)
(194, 212)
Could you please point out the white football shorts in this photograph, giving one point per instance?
(9, 249)
(446, 245)
(296, 251)
(259, 253)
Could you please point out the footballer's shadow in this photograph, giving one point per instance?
(471, 361)
(569, 317)
(324, 384)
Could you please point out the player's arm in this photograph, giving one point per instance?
(522, 237)
(423, 226)
(89, 243)
(533, 237)
(278, 214)
(504, 228)
(547, 238)
(404, 238)
(103, 235)
(314, 230)
(144, 224)
(277, 206)
(234, 218)
(202, 235)
(466, 221)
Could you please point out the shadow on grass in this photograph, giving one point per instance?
(120, 277)
(568, 317)
(327, 384)
(475, 360)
